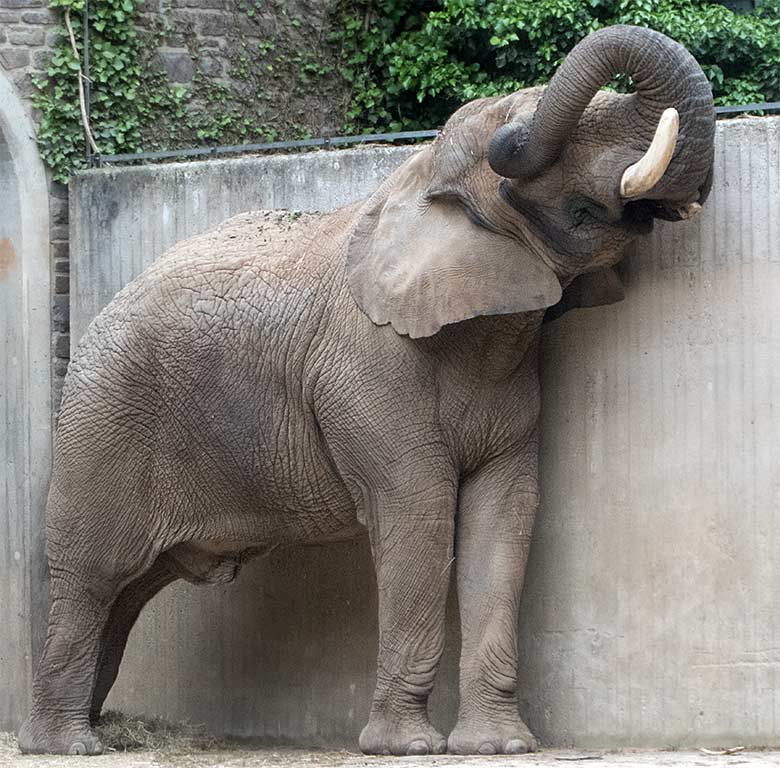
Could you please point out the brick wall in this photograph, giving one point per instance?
(27, 34)
(60, 345)
(274, 58)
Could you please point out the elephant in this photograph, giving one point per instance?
(299, 378)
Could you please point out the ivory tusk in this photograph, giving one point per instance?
(689, 211)
(643, 175)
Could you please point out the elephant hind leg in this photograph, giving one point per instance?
(64, 679)
(90, 564)
(124, 613)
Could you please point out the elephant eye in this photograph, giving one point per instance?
(584, 210)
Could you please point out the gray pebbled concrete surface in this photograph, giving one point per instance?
(266, 757)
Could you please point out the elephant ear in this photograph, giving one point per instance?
(591, 289)
(421, 260)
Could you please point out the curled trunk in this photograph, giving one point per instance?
(665, 75)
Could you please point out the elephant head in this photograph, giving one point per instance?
(520, 195)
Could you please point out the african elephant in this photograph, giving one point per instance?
(289, 379)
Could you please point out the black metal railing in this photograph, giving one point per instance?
(336, 141)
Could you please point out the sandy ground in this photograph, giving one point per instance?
(298, 758)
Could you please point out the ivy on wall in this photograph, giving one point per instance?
(413, 61)
(273, 75)
(389, 65)
(124, 97)
(262, 89)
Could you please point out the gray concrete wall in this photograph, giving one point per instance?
(649, 613)
(29, 33)
(25, 405)
(652, 602)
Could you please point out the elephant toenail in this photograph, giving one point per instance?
(417, 747)
(486, 749)
(77, 748)
(516, 747)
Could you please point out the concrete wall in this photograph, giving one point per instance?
(29, 32)
(25, 405)
(649, 614)
(652, 602)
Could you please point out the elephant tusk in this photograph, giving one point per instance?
(643, 175)
(689, 211)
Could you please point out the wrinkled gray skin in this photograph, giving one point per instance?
(286, 380)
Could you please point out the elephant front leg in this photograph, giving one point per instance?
(412, 545)
(495, 517)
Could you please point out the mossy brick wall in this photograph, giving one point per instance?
(27, 35)
(270, 65)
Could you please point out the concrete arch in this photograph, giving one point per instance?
(25, 399)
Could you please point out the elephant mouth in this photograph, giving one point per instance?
(639, 216)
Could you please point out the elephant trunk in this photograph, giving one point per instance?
(665, 76)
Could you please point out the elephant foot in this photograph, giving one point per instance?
(385, 735)
(491, 737)
(38, 737)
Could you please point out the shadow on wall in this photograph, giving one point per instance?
(288, 654)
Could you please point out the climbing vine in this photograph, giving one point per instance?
(412, 62)
(263, 89)
(123, 97)
(384, 65)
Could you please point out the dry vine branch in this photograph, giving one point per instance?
(82, 100)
